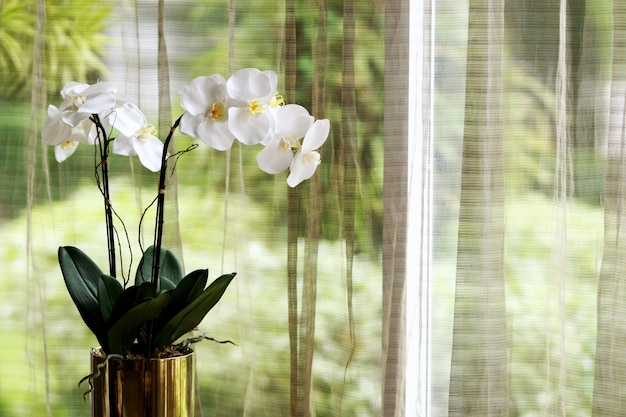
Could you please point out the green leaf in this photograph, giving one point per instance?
(190, 287)
(145, 291)
(185, 292)
(81, 276)
(125, 301)
(109, 289)
(170, 272)
(190, 316)
(124, 332)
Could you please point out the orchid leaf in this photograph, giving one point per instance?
(124, 302)
(185, 292)
(109, 289)
(81, 276)
(190, 316)
(190, 287)
(170, 271)
(124, 332)
(145, 291)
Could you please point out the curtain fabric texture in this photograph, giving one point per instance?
(395, 188)
(460, 251)
(609, 397)
(478, 375)
(528, 140)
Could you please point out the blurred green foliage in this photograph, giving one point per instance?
(72, 41)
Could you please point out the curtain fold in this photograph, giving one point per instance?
(395, 188)
(479, 368)
(609, 394)
(172, 238)
(543, 123)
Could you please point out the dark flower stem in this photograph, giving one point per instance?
(103, 143)
(158, 235)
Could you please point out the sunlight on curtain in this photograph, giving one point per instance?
(419, 206)
(307, 297)
(527, 196)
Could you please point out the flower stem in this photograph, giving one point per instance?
(158, 235)
(103, 144)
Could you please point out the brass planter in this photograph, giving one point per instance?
(143, 387)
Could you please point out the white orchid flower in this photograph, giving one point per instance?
(83, 133)
(291, 124)
(63, 137)
(55, 131)
(206, 103)
(136, 136)
(253, 91)
(307, 159)
(80, 101)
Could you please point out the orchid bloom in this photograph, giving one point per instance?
(80, 101)
(291, 124)
(63, 137)
(253, 91)
(206, 103)
(83, 133)
(136, 136)
(55, 131)
(307, 159)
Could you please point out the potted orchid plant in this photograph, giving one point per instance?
(144, 320)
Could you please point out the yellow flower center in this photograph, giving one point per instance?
(290, 144)
(146, 133)
(277, 101)
(256, 107)
(77, 101)
(215, 112)
(311, 157)
(68, 144)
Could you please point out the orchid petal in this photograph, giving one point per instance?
(123, 145)
(316, 136)
(64, 150)
(247, 128)
(215, 134)
(101, 87)
(302, 168)
(55, 131)
(275, 157)
(73, 88)
(202, 92)
(128, 119)
(150, 152)
(189, 123)
(250, 84)
(98, 103)
(292, 120)
(85, 133)
(73, 118)
(273, 78)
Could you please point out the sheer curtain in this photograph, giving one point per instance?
(458, 253)
(523, 241)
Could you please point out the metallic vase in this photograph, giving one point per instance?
(143, 387)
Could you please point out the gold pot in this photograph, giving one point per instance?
(143, 387)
